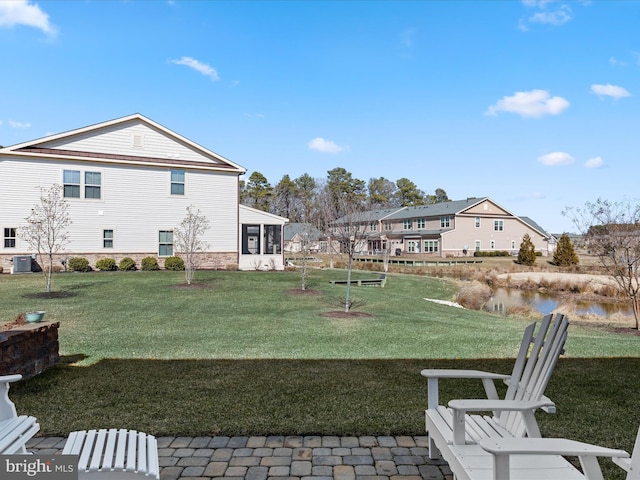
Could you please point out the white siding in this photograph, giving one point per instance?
(119, 140)
(136, 203)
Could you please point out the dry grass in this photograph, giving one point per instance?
(474, 295)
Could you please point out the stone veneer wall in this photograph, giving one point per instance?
(215, 261)
(29, 349)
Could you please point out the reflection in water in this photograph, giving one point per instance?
(505, 298)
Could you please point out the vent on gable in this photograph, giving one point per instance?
(138, 141)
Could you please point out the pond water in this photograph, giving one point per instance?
(505, 298)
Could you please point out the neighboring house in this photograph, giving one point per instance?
(128, 183)
(301, 236)
(455, 228)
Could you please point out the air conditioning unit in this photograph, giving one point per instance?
(22, 264)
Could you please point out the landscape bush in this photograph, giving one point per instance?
(78, 264)
(149, 264)
(492, 253)
(173, 263)
(127, 264)
(106, 265)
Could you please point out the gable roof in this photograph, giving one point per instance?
(293, 229)
(436, 209)
(58, 145)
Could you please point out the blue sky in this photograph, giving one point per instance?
(533, 103)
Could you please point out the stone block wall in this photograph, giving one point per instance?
(29, 349)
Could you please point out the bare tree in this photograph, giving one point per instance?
(188, 241)
(46, 229)
(349, 230)
(612, 233)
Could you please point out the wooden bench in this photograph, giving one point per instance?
(116, 454)
(382, 281)
(455, 431)
(15, 430)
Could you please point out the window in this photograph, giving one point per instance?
(165, 243)
(273, 239)
(9, 238)
(421, 223)
(431, 246)
(107, 239)
(92, 184)
(250, 239)
(477, 222)
(177, 182)
(477, 245)
(71, 182)
(407, 224)
(445, 222)
(498, 225)
(388, 226)
(513, 244)
(373, 227)
(411, 246)
(492, 245)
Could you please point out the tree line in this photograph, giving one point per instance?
(303, 199)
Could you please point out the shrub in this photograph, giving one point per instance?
(79, 264)
(106, 265)
(565, 254)
(491, 253)
(127, 264)
(149, 263)
(174, 263)
(527, 253)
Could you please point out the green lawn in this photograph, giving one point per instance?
(245, 356)
(242, 315)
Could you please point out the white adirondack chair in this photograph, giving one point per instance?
(528, 458)
(15, 430)
(452, 429)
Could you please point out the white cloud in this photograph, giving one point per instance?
(617, 63)
(319, 144)
(556, 18)
(546, 13)
(556, 158)
(533, 104)
(23, 12)
(15, 124)
(198, 66)
(610, 91)
(595, 162)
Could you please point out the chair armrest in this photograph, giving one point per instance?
(10, 378)
(502, 449)
(526, 408)
(434, 375)
(445, 373)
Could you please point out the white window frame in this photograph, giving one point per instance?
(71, 183)
(498, 225)
(178, 183)
(478, 246)
(92, 185)
(477, 222)
(445, 221)
(8, 238)
(165, 243)
(407, 224)
(106, 239)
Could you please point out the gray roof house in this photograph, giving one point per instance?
(454, 228)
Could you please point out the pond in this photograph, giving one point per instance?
(505, 298)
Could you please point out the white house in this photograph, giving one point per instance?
(128, 183)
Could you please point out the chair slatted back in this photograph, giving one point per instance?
(532, 371)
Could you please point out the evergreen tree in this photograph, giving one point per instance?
(527, 253)
(408, 194)
(565, 255)
(257, 192)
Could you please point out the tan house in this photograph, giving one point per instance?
(455, 228)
